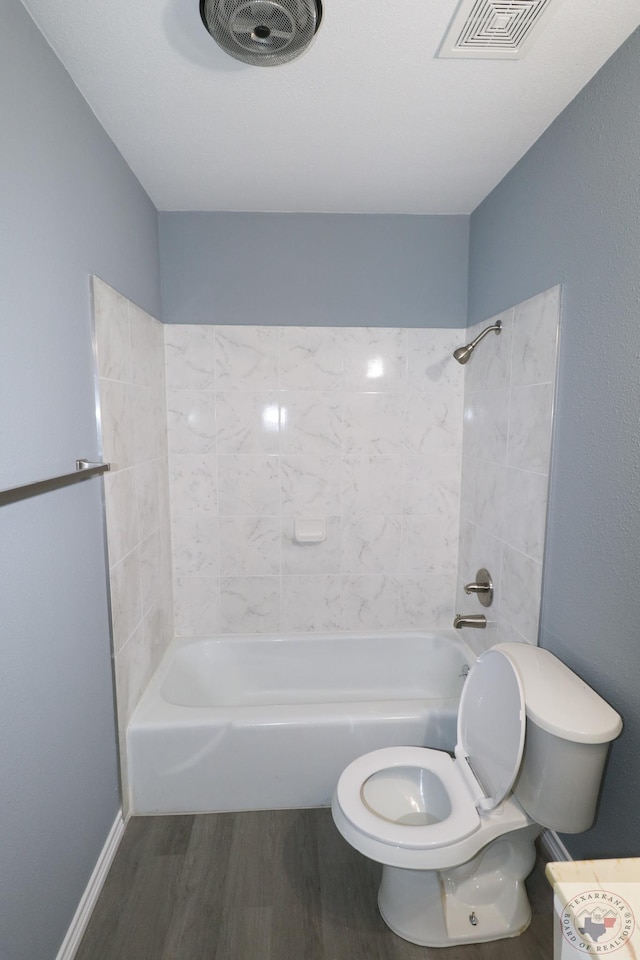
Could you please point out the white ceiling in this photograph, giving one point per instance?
(365, 121)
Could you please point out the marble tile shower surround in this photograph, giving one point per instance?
(364, 428)
(361, 427)
(509, 395)
(130, 366)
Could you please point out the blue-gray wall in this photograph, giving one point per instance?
(314, 269)
(69, 206)
(570, 212)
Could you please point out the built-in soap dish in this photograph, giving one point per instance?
(309, 530)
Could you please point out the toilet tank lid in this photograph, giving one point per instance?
(557, 700)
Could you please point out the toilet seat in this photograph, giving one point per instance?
(462, 821)
(471, 794)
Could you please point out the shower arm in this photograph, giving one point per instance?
(494, 326)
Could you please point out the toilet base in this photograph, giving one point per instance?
(483, 899)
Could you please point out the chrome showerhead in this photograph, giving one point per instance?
(462, 354)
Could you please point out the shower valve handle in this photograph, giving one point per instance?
(477, 588)
(482, 587)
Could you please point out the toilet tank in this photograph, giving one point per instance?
(568, 731)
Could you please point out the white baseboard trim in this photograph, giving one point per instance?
(553, 848)
(90, 896)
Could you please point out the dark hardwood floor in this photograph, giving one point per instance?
(271, 885)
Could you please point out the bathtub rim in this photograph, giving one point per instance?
(153, 709)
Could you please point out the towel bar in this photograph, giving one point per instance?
(84, 469)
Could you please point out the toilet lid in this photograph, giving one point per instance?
(491, 725)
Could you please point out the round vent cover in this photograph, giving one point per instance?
(264, 33)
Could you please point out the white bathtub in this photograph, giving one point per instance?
(269, 722)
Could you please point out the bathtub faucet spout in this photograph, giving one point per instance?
(472, 620)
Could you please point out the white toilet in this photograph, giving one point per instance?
(456, 835)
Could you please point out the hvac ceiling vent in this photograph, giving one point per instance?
(495, 29)
(263, 33)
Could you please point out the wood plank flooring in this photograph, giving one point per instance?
(270, 885)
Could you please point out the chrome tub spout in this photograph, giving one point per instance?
(477, 620)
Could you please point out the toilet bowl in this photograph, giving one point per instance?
(456, 834)
(410, 807)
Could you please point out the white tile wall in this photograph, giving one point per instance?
(362, 427)
(418, 484)
(509, 392)
(130, 360)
